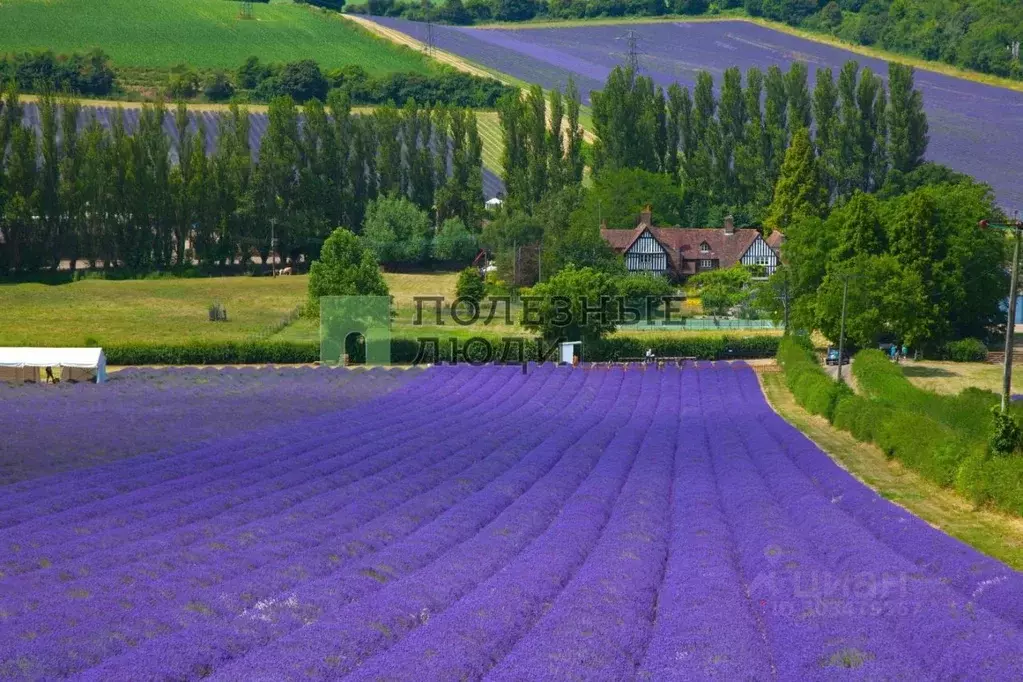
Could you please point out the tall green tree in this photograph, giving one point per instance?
(799, 192)
(907, 122)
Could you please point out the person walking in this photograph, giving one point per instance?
(905, 351)
(893, 352)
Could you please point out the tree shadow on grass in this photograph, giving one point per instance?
(911, 371)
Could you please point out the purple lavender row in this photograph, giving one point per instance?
(955, 635)
(977, 577)
(811, 638)
(188, 484)
(84, 483)
(119, 415)
(356, 575)
(142, 610)
(484, 624)
(599, 625)
(149, 463)
(214, 552)
(705, 625)
(186, 600)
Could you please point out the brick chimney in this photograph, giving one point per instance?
(729, 225)
(646, 215)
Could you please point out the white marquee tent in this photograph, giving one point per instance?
(17, 363)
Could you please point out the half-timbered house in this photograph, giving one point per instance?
(681, 252)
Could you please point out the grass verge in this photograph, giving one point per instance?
(993, 533)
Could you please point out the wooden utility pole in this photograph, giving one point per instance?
(1010, 323)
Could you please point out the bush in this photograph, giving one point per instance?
(218, 88)
(470, 285)
(966, 350)
(454, 242)
(1005, 434)
(345, 268)
(183, 83)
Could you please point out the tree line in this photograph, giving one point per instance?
(253, 81)
(838, 168)
(77, 190)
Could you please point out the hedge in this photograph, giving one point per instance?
(406, 350)
(944, 438)
(812, 387)
(702, 347)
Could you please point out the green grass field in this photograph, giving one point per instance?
(201, 33)
(163, 310)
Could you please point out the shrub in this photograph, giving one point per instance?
(923, 444)
(454, 242)
(966, 350)
(345, 268)
(470, 285)
(1005, 434)
(971, 477)
(218, 88)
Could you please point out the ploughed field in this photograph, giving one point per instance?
(489, 523)
(971, 123)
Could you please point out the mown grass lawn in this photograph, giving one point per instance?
(201, 33)
(953, 377)
(161, 310)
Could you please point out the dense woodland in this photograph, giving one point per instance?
(973, 34)
(91, 193)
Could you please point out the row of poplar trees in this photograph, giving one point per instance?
(725, 148)
(72, 188)
(543, 144)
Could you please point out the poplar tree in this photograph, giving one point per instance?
(907, 122)
(799, 193)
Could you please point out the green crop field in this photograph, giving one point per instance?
(200, 33)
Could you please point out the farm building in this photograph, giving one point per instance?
(680, 252)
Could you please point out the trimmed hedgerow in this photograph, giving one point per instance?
(944, 438)
(812, 387)
(701, 347)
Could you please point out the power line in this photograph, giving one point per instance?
(632, 57)
(430, 46)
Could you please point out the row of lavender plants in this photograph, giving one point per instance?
(147, 410)
(603, 523)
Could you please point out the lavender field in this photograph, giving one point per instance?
(484, 523)
(141, 411)
(972, 124)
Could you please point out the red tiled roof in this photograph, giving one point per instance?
(775, 240)
(683, 244)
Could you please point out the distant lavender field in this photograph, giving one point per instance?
(973, 126)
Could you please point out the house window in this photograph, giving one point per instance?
(764, 260)
(704, 247)
(706, 264)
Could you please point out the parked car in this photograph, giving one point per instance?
(832, 357)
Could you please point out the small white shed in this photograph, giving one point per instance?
(17, 363)
(493, 204)
(568, 351)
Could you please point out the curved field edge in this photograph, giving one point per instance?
(461, 63)
(994, 533)
(820, 38)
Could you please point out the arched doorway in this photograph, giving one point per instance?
(355, 348)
